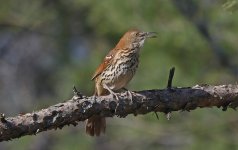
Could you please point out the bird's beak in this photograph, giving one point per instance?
(151, 34)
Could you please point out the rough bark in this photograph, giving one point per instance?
(80, 108)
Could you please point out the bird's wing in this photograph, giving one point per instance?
(106, 61)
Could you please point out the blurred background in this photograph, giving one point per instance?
(47, 46)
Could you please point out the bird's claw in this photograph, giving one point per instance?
(94, 99)
(115, 95)
(130, 95)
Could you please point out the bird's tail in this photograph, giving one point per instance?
(95, 125)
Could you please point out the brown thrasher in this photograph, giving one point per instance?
(116, 70)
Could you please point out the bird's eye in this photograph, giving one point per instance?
(137, 33)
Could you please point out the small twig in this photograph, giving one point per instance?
(157, 116)
(169, 86)
(77, 94)
(2, 118)
(170, 80)
(168, 115)
(37, 131)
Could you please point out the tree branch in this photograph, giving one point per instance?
(79, 109)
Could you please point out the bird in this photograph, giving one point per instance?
(114, 73)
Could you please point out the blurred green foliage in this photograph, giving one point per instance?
(74, 37)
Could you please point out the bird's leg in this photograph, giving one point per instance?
(94, 98)
(110, 91)
(129, 93)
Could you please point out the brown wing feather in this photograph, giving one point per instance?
(106, 61)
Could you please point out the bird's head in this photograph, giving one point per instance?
(135, 38)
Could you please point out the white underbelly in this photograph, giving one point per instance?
(120, 80)
(119, 75)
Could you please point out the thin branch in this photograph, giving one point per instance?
(171, 75)
(77, 94)
(76, 109)
(169, 86)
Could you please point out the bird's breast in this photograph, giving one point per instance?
(120, 72)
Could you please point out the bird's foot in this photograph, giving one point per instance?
(94, 99)
(129, 93)
(115, 95)
(111, 92)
